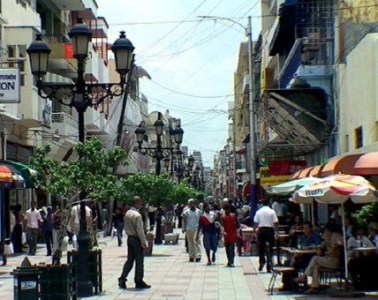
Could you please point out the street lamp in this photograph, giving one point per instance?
(251, 108)
(158, 153)
(80, 95)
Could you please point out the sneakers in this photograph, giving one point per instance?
(142, 285)
(121, 283)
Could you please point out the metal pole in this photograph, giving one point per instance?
(251, 124)
(84, 284)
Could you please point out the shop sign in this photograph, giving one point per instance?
(266, 179)
(9, 85)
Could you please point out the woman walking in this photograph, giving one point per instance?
(207, 223)
(230, 233)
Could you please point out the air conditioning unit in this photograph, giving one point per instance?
(3, 108)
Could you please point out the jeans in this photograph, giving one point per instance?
(134, 253)
(49, 241)
(119, 228)
(230, 252)
(32, 238)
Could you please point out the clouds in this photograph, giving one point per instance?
(192, 57)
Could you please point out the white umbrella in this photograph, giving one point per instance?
(291, 186)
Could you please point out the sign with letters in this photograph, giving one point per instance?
(9, 85)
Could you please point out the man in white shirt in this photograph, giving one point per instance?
(75, 221)
(266, 220)
(191, 218)
(32, 219)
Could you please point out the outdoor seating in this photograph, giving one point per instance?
(277, 270)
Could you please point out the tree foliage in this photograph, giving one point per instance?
(92, 173)
(367, 214)
(154, 189)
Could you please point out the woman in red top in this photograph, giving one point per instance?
(230, 234)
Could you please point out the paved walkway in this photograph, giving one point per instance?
(172, 276)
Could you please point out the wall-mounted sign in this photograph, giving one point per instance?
(9, 85)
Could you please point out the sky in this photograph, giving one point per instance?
(191, 60)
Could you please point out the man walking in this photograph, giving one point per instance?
(136, 242)
(266, 220)
(190, 225)
(48, 229)
(32, 218)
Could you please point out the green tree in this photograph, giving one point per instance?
(92, 173)
(367, 214)
(182, 192)
(153, 189)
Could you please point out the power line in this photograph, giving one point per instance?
(234, 18)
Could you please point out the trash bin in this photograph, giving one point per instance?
(26, 281)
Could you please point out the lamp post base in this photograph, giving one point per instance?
(158, 240)
(84, 289)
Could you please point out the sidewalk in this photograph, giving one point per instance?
(172, 276)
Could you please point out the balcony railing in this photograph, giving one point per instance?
(62, 117)
(304, 52)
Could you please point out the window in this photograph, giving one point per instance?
(359, 137)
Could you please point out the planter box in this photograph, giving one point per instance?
(150, 240)
(57, 282)
(168, 228)
(95, 267)
(171, 238)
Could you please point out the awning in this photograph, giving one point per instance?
(343, 164)
(366, 164)
(316, 171)
(241, 150)
(302, 173)
(284, 35)
(246, 189)
(297, 116)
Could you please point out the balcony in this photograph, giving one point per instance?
(69, 4)
(64, 124)
(307, 58)
(61, 61)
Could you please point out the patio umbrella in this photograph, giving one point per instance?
(337, 189)
(291, 186)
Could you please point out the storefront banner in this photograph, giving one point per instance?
(9, 85)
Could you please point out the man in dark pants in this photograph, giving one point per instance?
(266, 220)
(136, 242)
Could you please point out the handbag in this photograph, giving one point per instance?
(8, 249)
(220, 243)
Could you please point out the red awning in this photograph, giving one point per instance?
(246, 189)
(343, 164)
(366, 164)
(241, 150)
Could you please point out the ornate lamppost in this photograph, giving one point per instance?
(158, 153)
(81, 95)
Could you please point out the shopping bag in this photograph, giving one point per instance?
(220, 243)
(23, 238)
(8, 249)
